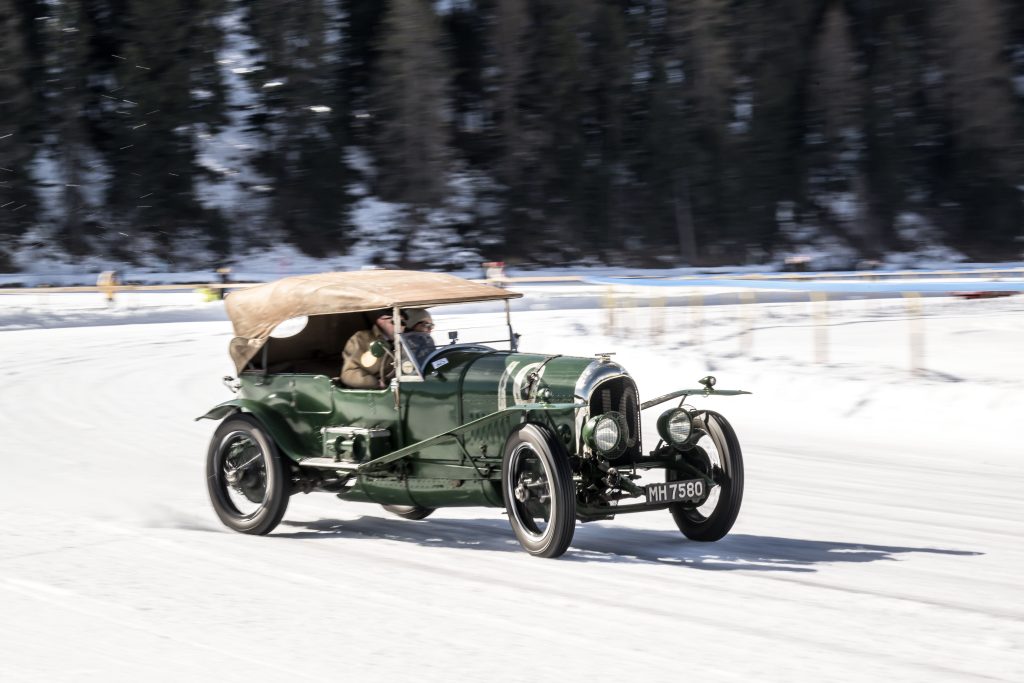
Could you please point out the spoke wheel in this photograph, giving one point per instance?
(718, 455)
(539, 492)
(246, 477)
(413, 512)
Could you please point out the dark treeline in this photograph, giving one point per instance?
(696, 131)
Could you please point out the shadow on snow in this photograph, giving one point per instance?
(595, 542)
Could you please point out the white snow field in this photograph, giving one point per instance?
(881, 535)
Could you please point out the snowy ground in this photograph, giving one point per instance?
(880, 536)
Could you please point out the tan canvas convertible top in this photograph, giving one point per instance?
(256, 311)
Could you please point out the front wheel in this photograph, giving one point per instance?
(246, 477)
(716, 455)
(539, 492)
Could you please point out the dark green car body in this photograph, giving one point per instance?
(452, 424)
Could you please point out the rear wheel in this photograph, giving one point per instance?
(413, 512)
(246, 477)
(539, 492)
(718, 456)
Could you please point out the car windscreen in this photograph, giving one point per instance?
(417, 347)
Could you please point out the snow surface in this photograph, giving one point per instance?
(880, 536)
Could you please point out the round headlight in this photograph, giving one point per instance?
(606, 434)
(676, 426)
(603, 434)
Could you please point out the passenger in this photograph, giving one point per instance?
(418, 325)
(417, 320)
(360, 369)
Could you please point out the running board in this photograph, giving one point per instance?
(329, 464)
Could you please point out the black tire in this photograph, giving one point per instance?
(719, 453)
(247, 480)
(413, 512)
(539, 492)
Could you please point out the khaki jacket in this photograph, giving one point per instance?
(360, 369)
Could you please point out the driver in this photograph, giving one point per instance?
(360, 369)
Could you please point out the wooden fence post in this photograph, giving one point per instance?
(819, 303)
(657, 313)
(697, 317)
(609, 304)
(749, 298)
(916, 320)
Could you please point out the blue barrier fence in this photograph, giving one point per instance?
(949, 286)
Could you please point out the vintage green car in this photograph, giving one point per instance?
(552, 439)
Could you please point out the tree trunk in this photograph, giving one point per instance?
(684, 218)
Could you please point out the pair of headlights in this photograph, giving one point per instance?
(606, 433)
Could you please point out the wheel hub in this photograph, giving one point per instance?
(528, 488)
(244, 471)
(252, 486)
(698, 459)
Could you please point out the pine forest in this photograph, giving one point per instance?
(549, 132)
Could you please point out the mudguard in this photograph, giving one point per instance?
(271, 421)
(705, 391)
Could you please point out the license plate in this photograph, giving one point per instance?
(685, 491)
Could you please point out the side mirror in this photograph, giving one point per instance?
(453, 336)
(379, 350)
